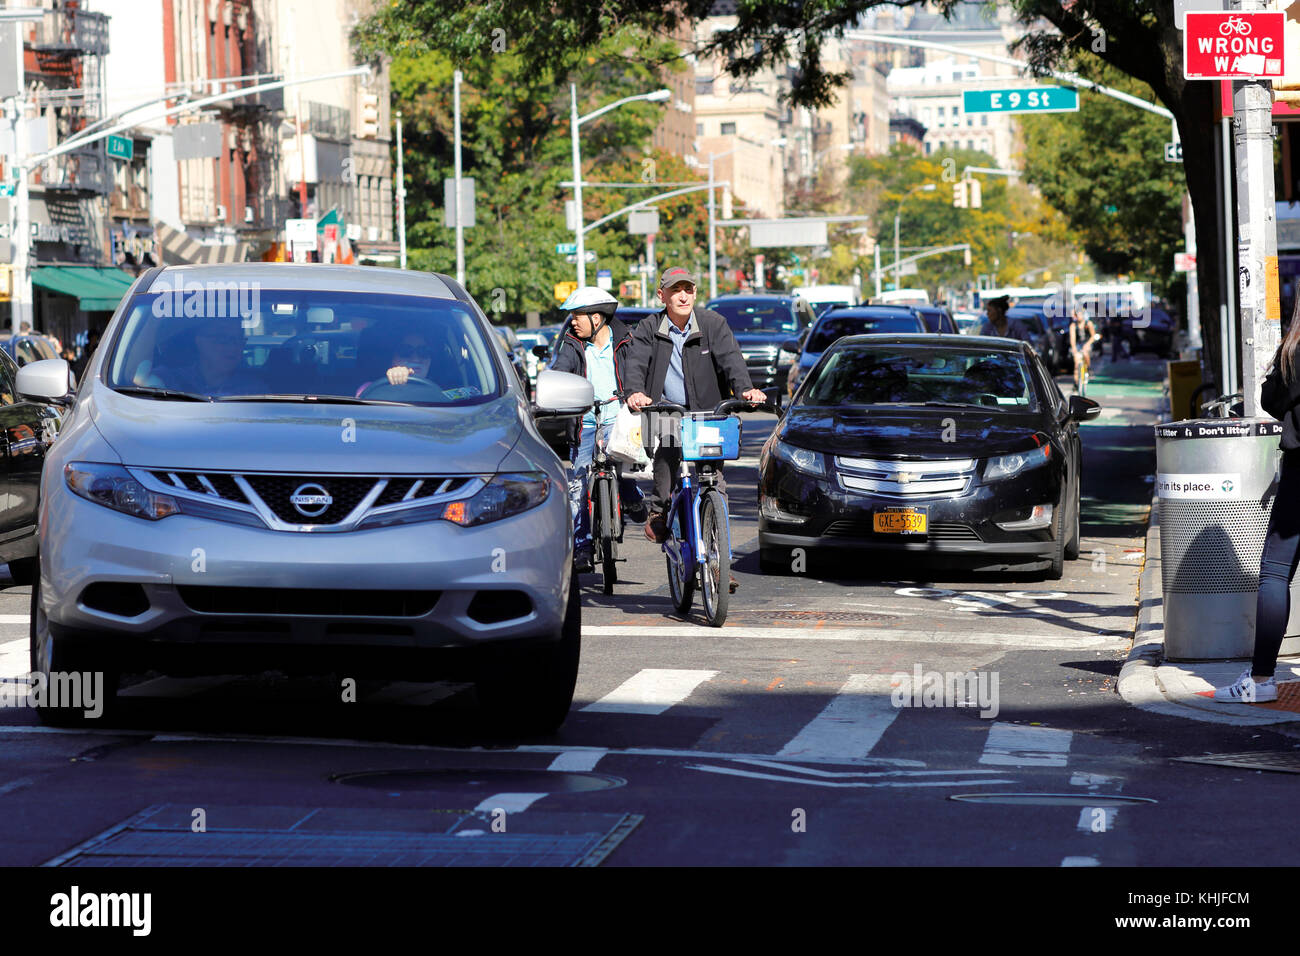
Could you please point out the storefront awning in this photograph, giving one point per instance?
(95, 289)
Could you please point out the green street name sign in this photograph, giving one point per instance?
(566, 249)
(121, 147)
(1031, 99)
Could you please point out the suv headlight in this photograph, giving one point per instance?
(113, 487)
(1006, 466)
(503, 496)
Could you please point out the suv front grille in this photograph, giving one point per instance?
(276, 490)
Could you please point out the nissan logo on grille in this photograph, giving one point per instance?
(311, 500)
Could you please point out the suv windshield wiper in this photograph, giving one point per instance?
(309, 399)
(170, 393)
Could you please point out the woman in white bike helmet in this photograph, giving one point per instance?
(595, 345)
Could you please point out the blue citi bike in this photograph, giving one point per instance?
(698, 548)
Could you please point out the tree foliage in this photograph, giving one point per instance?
(1104, 167)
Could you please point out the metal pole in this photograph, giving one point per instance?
(713, 243)
(21, 305)
(1227, 344)
(877, 246)
(898, 284)
(401, 197)
(577, 185)
(1261, 310)
(460, 224)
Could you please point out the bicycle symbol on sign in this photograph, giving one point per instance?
(1233, 25)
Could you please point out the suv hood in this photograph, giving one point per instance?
(306, 438)
(763, 337)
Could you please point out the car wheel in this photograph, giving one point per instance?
(1072, 546)
(50, 655)
(1056, 570)
(530, 693)
(23, 570)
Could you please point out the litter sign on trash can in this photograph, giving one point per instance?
(1215, 481)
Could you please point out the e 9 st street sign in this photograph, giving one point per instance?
(1031, 99)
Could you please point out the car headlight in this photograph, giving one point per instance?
(113, 487)
(1007, 466)
(801, 459)
(785, 359)
(503, 496)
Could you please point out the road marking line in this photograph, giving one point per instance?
(650, 691)
(14, 666)
(1080, 861)
(577, 760)
(776, 682)
(856, 784)
(1016, 746)
(509, 802)
(774, 764)
(851, 724)
(15, 619)
(18, 784)
(1078, 779)
(891, 635)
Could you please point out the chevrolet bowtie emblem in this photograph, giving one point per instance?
(905, 476)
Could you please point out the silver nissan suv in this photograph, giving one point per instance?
(310, 469)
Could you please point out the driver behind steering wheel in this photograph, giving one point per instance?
(410, 358)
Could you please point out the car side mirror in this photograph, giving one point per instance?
(541, 351)
(562, 393)
(773, 395)
(790, 345)
(1082, 409)
(48, 380)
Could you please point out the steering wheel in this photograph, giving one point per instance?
(400, 391)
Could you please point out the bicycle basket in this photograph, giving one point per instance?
(710, 438)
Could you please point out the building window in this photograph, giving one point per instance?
(942, 122)
(704, 86)
(970, 144)
(927, 149)
(970, 120)
(699, 129)
(984, 119)
(728, 129)
(956, 77)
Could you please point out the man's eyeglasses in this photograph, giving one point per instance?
(414, 351)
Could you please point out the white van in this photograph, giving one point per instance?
(821, 297)
(902, 297)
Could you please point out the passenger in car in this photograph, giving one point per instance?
(217, 365)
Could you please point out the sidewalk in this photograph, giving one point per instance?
(1185, 689)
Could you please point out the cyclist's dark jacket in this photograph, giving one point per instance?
(571, 356)
(1280, 399)
(713, 367)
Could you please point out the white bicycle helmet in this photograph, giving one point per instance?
(590, 299)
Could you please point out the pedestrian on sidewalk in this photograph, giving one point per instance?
(1280, 397)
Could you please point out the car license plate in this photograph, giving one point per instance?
(900, 521)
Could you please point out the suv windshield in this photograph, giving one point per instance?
(836, 326)
(757, 316)
(229, 343)
(915, 375)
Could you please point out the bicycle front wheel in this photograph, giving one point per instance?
(715, 562)
(681, 570)
(606, 532)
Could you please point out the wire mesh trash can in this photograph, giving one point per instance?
(1215, 481)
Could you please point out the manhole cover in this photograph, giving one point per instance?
(1053, 799)
(489, 780)
(1281, 761)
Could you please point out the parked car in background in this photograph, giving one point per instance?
(630, 315)
(434, 540)
(823, 298)
(839, 322)
(762, 323)
(530, 339)
(937, 319)
(518, 355)
(859, 462)
(966, 321)
(31, 347)
(1032, 318)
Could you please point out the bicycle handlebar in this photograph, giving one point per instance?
(723, 407)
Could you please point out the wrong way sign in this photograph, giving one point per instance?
(1233, 45)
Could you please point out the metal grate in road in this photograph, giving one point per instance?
(1281, 761)
(319, 837)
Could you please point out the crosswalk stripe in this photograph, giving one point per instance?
(851, 724)
(1012, 745)
(509, 802)
(577, 761)
(15, 661)
(1044, 641)
(650, 691)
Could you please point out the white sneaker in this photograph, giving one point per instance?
(1246, 690)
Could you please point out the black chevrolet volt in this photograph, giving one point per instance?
(945, 446)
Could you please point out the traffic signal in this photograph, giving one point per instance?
(973, 193)
(564, 289)
(959, 195)
(965, 255)
(369, 103)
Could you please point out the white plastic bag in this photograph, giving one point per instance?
(625, 439)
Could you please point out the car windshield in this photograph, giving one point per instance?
(757, 316)
(918, 375)
(1033, 321)
(289, 343)
(836, 326)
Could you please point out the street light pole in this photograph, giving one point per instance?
(460, 224)
(401, 197)
(713, 242)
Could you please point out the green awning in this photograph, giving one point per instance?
(95, 289)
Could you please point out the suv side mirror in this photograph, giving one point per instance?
(790, 345)
(1082, 409)
(48, 380)
(562, 393)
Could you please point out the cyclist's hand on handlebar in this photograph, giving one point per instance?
(755, 396)
(638, 401)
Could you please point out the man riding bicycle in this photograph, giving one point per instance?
(595, 345)
(1082, 334)
(688, 356)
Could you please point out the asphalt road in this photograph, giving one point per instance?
(786, 737)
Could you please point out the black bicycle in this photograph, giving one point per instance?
(604, 508)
